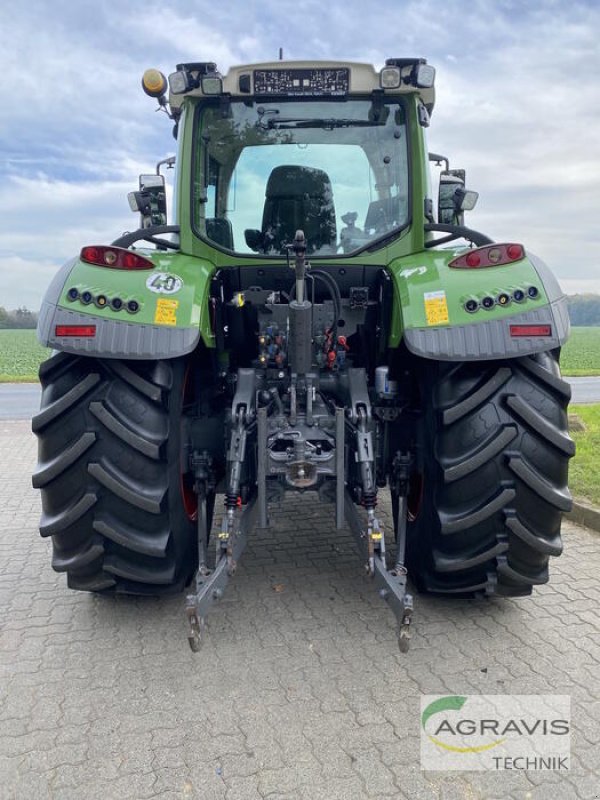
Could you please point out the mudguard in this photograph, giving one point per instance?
(162, 313)
(431, 318)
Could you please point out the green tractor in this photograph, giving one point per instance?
(304, 324)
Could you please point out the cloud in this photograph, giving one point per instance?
(518, 105)
(46, 221)
(22, 280)
(580, 286)
(525, 122)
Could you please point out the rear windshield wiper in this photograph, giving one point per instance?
(325, 124)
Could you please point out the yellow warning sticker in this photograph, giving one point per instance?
(436, 307)
(166, 311)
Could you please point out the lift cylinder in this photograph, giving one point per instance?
(300, 350)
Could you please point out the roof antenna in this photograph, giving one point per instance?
(281, 53)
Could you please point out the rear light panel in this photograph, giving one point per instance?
(492, 255)
(114, 257)
(75, 330)
(102, 301)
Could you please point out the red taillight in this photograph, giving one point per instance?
(531, 330)
(515, 252)
(492, 255)
(114, 258)
(75, 330)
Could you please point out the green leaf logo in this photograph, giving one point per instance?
(452, 703)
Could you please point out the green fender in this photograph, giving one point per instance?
(430, 316)
(170, 308)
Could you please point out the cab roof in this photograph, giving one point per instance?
(304, 79)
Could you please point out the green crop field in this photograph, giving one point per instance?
(581, 354)
(20, 356)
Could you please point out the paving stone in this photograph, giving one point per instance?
(299, 693)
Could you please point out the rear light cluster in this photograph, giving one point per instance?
(114, 258)
(102, 301)
(493, 255)
(502, 299)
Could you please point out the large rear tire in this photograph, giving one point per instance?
(111, 475)
(493, 462)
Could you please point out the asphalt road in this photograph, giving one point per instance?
(585, 390)
(22, 400)
(299, 691)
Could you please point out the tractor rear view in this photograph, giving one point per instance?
(310, 322)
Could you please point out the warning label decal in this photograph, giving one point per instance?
(166, 312)
(436, 308)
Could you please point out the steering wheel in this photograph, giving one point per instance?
(149, 235)
(456, 232)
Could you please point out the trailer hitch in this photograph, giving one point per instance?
(238, 520)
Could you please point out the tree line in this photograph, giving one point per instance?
(19, 318)
(584, 310)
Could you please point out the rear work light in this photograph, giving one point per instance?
(531, 330)
(75, 330)
(114, 258)
(492, 255)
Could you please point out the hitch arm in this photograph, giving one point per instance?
(210, 587)
(391, 584)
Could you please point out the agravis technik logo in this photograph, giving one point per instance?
(523, 732)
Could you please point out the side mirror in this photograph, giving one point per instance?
(454, 199)
(150, 201)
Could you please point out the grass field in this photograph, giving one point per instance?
(20, 356)
(581, 354)
(584, 471)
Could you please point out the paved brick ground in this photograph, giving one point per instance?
(299, 691)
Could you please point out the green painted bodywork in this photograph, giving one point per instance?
(192, 298)
(428, 272)
(416, 271)
(415, 276)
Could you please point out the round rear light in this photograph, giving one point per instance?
(471, 306)
(473, 260)
(91, 254)
(133, 306)
(116, 304)
(73, 294)
(86, 297)
(519, 295)
(514, 252)
(488, 302)
(533, 292)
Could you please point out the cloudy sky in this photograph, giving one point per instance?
(518, 105)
